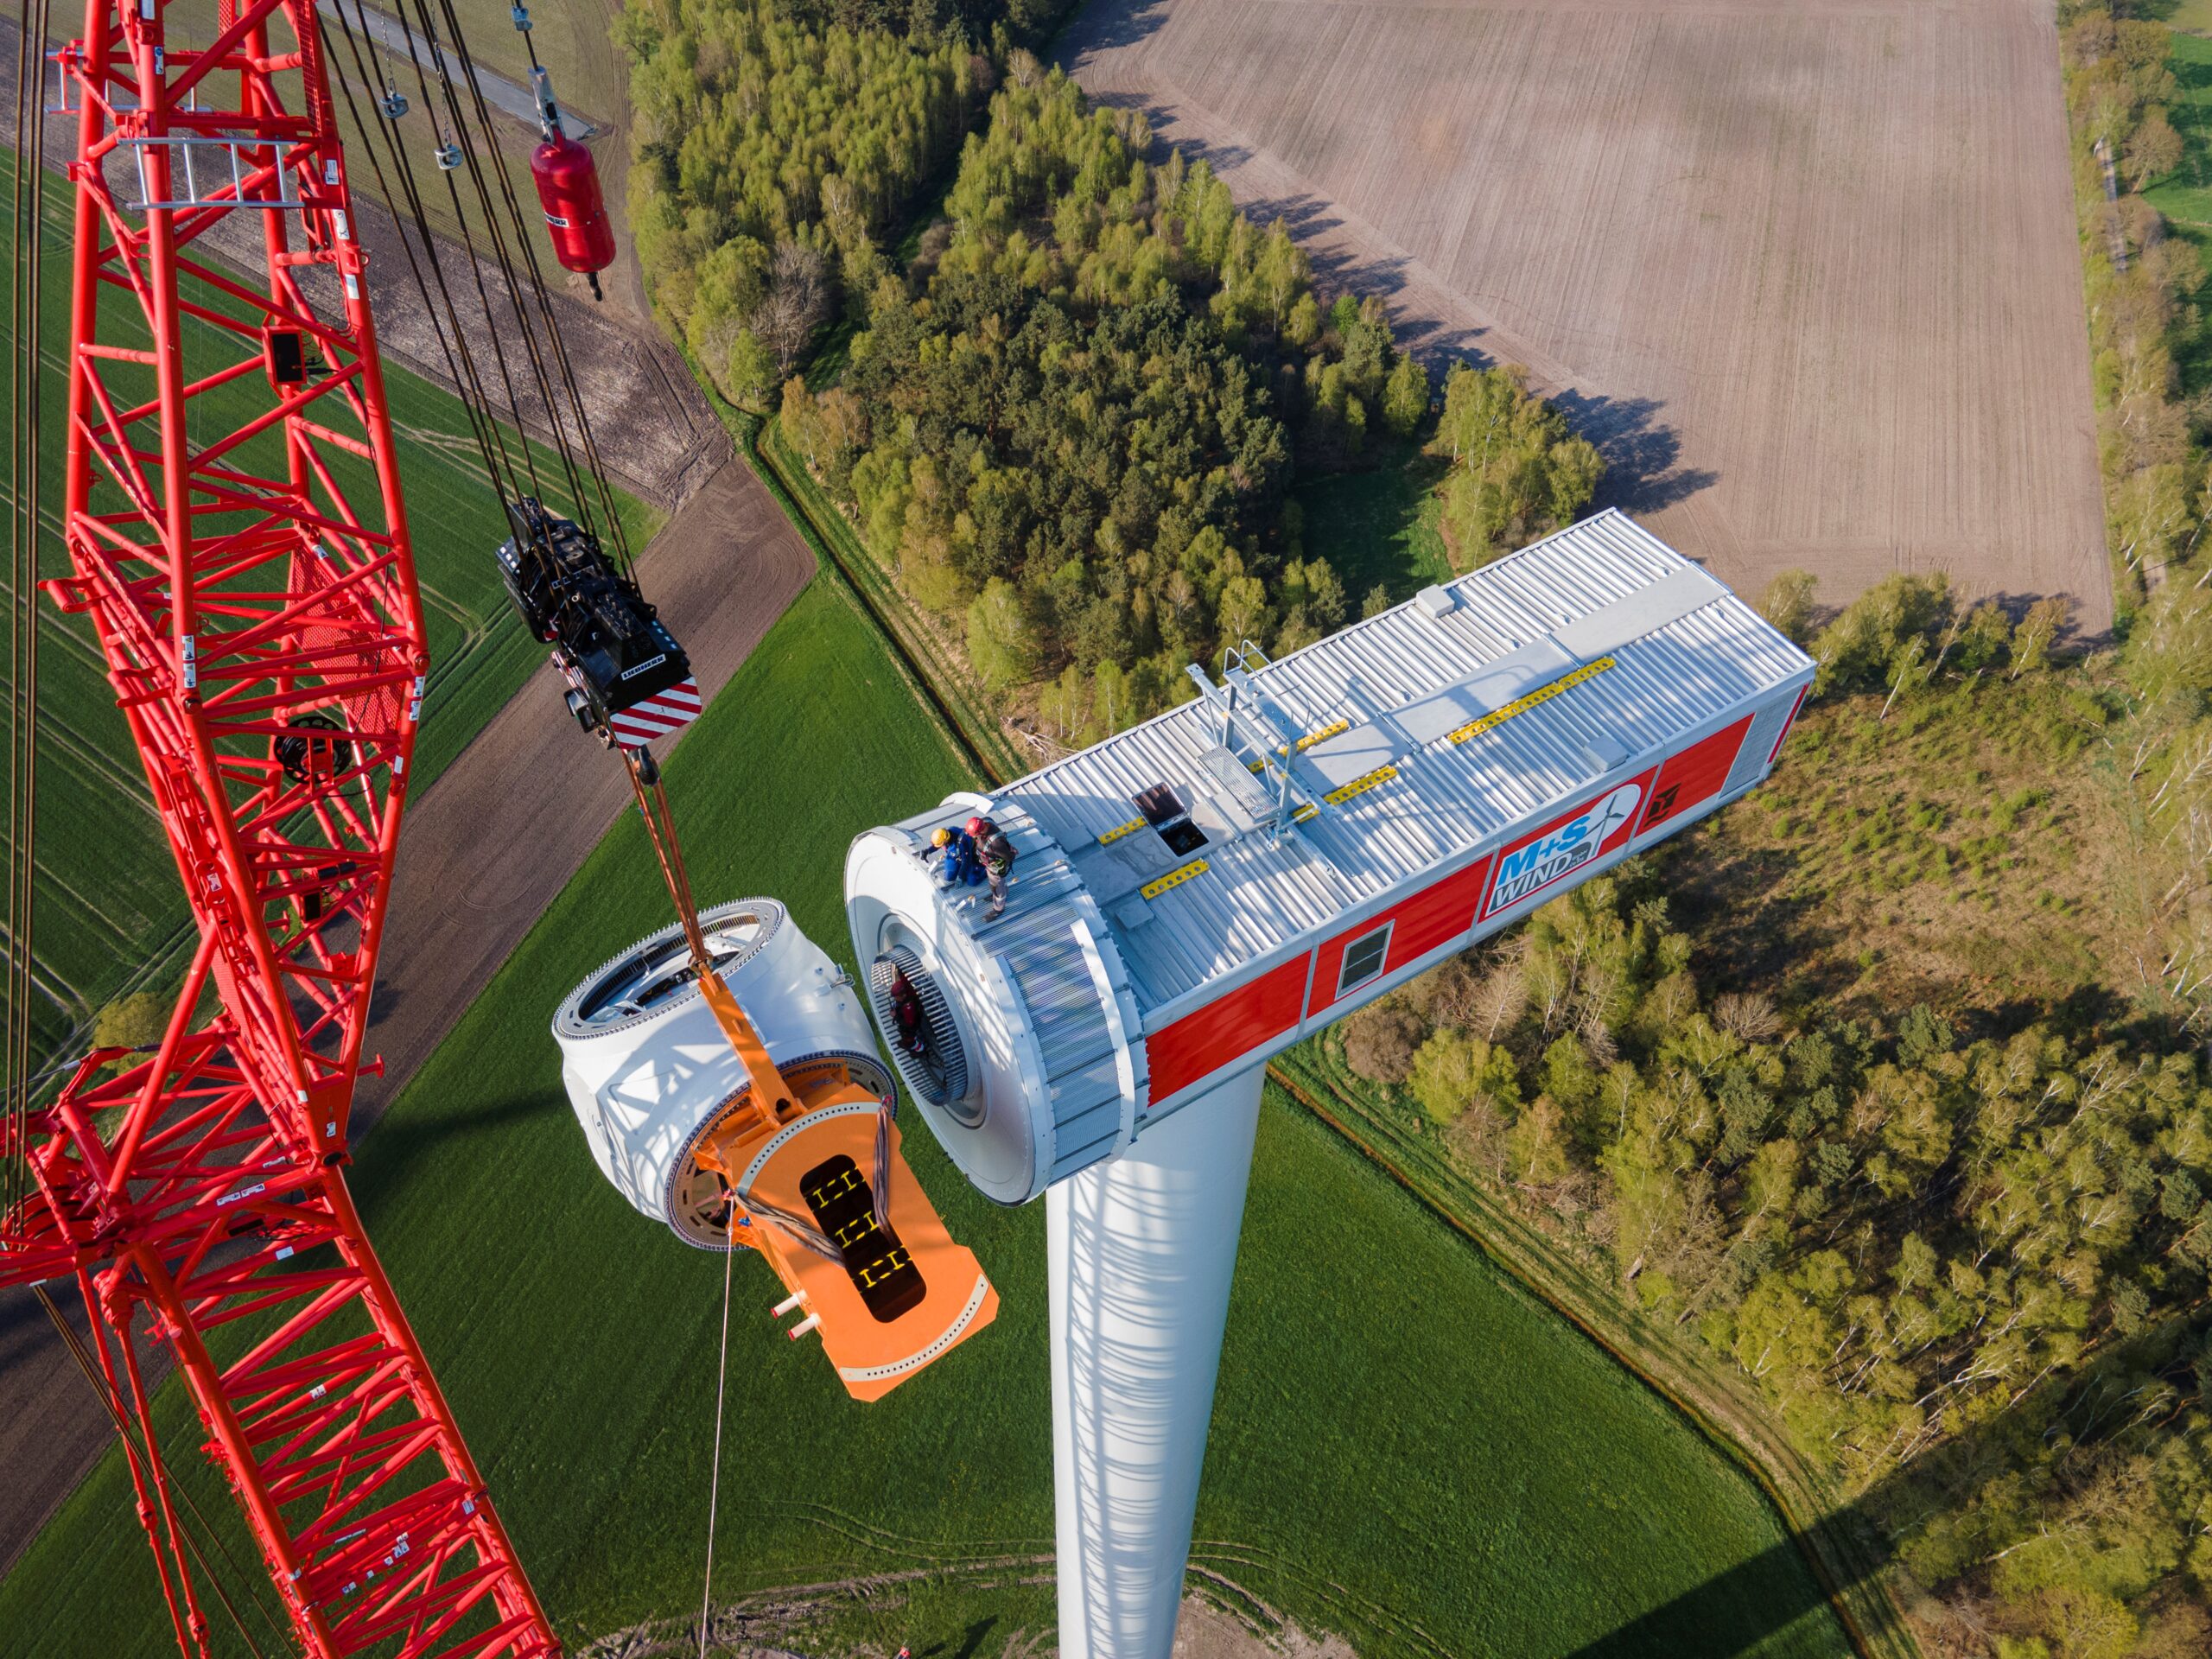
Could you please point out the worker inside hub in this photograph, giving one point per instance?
(906, 1015)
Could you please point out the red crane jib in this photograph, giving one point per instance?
(255, 597)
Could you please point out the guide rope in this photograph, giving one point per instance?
(715, 1473)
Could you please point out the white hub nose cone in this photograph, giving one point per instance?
(648, 1069)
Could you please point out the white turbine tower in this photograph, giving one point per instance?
(1197, 894)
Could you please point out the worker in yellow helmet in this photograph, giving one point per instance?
(957, 864)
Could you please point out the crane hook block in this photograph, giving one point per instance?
(614, 651)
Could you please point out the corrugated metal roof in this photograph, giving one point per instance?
(1594, 646)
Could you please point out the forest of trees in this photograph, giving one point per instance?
(1518, 472)
(1070, 426)
(771, 162)
(1074, 428)
(779, 144)
(1968, 1271)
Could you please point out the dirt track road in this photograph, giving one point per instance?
(1805, 269)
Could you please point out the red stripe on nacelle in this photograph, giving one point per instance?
(1437, 914)
(1236, 1025)
(1208, 1038)
(1694, 776)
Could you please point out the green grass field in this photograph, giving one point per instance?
(2184, 196)
(1379, 527)
(1406, 1449)
(111, 917)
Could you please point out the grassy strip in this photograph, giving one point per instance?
(1729, 1415)
(1378, 526)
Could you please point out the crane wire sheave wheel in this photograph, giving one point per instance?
(253, 594)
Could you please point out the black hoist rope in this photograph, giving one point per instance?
(465, 138)
(450, 152)
(460, 143)
(26, 302)
(460, 362)
(528, 243)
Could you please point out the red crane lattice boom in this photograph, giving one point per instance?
(236, 536)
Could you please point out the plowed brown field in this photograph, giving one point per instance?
(1807, 269)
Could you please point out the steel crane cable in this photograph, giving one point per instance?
(461, 143)
(467, 383)
(26, 302)
(18, 337)
(528, 243)
(460, 362)
(465, 137)
(140, 1449)
(715, 1473)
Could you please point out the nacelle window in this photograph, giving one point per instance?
(1363, 959)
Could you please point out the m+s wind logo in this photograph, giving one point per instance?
(1554, 853)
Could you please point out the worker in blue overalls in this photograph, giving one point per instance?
(959, 865)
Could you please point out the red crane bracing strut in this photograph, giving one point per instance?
(236, 535)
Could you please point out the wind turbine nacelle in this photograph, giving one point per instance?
(649, 1072)
(1191, 897)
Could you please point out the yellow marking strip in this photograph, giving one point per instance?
(1326, 732)
(1304, 812)
(1361, 785)
(1119, 831)
(1174, 879)
(1542, 694)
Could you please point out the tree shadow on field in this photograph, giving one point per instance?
(1107, 27)
(1737, 1611)
(1779, 936)
(1643, 465)
(971, 1639)
(1643, 469)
